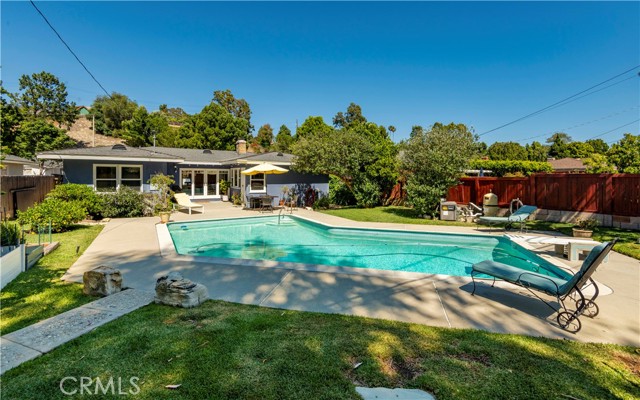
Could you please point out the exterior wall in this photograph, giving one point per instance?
(300, 183)
(11, 169)
(81, 171)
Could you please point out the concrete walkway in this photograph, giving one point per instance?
(132, 246)
(33, 341)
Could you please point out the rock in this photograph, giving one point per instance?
(174, 290)
(102, 281)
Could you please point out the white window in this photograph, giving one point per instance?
(108, 178)
(257, 183)
(234, 177)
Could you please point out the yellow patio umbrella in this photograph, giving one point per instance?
(265, 168)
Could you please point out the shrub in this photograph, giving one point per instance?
(367, 193)
(512, 168)
(587, 224)
(62, 214)
(9, 234)
(321, 203)
(125, 203)
(339, 193)
(237, 199)
(423, 198)
(83, 194)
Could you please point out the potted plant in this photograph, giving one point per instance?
(162, 184)
(224, 190)
(285, 192)
(584, 227)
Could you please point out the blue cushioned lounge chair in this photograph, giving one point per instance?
(558, 287)
(519, 217)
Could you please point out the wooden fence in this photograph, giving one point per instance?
(614, 194)
(21, 192)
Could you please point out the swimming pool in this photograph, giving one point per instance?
(299, 240)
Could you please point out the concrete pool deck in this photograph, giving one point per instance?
(132, 246)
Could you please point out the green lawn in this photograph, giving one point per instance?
(39, 293)
(230, 351)
(628, 244)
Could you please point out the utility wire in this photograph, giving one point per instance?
(614, 129)
(68, 48)
(581, 124)
(559, 102)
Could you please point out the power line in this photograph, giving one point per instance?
(582, 124)
(614, 129)
(560, 102)
(68, 48)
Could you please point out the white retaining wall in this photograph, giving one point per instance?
(11, 264)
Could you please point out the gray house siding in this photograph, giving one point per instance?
(300, 183)
(81, 171)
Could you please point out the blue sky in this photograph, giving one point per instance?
(482, 64)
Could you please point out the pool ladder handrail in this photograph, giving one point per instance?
(280, 215)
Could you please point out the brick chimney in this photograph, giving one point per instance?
(241, 146)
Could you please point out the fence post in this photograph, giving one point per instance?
(532, 190)
(608, 195)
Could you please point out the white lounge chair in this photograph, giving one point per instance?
(185, 202)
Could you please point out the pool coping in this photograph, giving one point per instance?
(168, 251)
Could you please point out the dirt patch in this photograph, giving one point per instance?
(631, 361)
(402, 370)
(481, 359)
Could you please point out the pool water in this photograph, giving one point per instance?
(299, 240)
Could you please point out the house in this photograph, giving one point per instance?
(14, 166)
(567, 165)
(83, 111)
(197, 172)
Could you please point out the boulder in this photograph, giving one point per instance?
(102, 281)
(175, 290)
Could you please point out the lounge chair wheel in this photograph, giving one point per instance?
(508, 227)
(591, 310)
(569, 322)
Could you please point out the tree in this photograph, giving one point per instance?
(416, 130)
(238, 108)
(392, 129)
(579, 150)
(213, 128)
(352, 116)
(598, 164)
(111, 111)
(625, 154)
(284, 140)
(10, 119)
(36, 135)
(434, 161)
(312, 126)
(536, 152)
(139, 131)
(44, 96)
(599, 146)
(559, 145)
(175, 116)
(499, 151)
(265, 136)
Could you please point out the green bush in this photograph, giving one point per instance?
(321, 203)
(339, 193)
(125, 203)
(62, 214)
(424, 198)
(83, 194)
(512, 167)
(367, 193)
(9, 234)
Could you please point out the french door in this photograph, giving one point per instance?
(200, 183)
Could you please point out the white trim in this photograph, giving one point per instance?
(253, 162)
(264, 179)
(106, 158)
(118, 177)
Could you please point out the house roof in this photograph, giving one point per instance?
(10, 159)
(196, 156)
(117, 152)
(272, 157)
(120, 152)
(567, 164)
